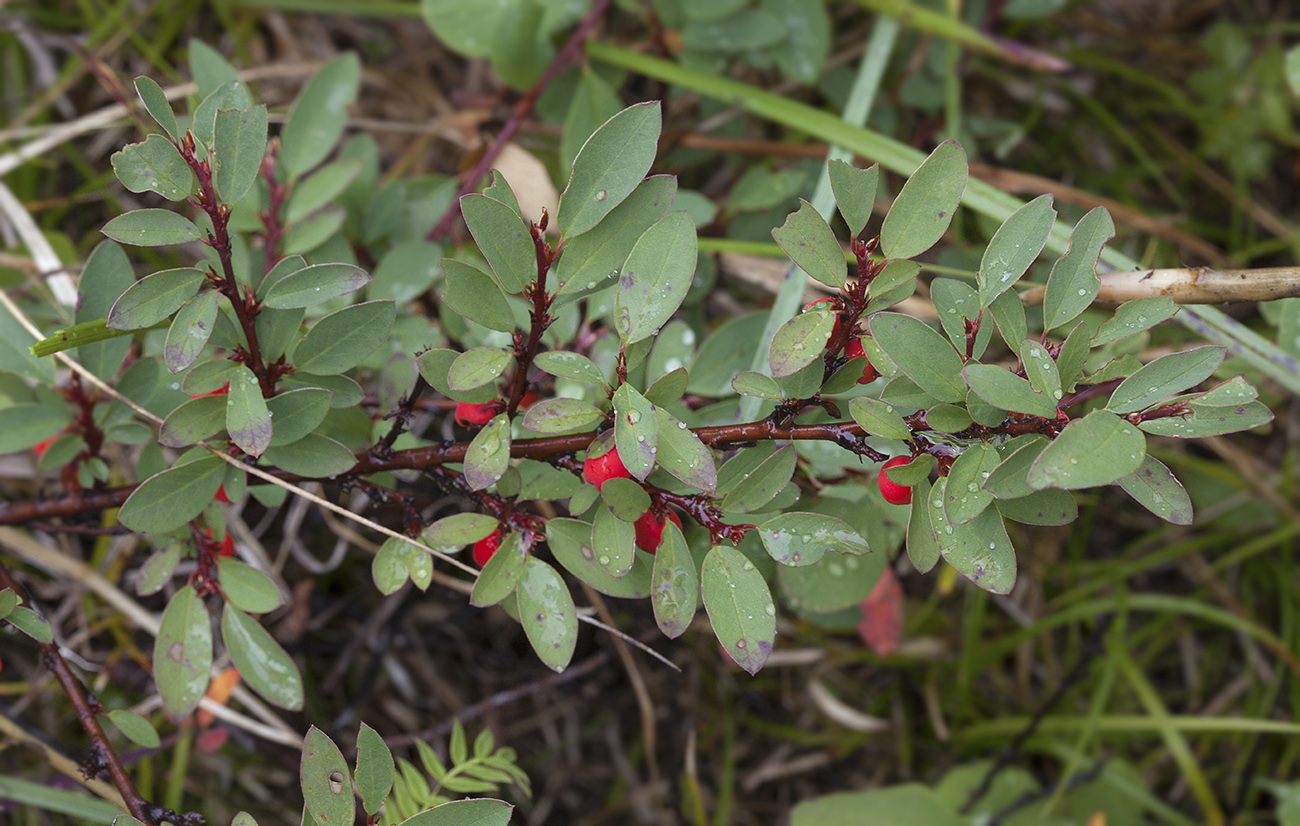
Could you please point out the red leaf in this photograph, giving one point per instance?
(882, 615)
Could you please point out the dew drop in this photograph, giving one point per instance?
(604, 560)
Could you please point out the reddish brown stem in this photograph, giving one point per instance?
(523, 108)
(86, 709)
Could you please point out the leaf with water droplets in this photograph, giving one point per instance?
(1004, 389)
(956, 303)
(570, 541)
(547, 613)
(982, 551)
(1164, 377)
(798, 538)
(488, 454)
(921, 354)
(674, 583)
(1210, 421)
(636, 431)
(1073, 283)
(588, 260)
(964, 497)
(569, 365)
(561, 415)
(1096, 450)
(740, 606)
(477, 366)
(879, 418)
(1156, 488)
(613, 542)
(1040, 369)
(1132, 317)
(681, 453)
(757, 477)
(609, 167)
(247, 419)
(799, 342)
(1236, 391)
(655, 277)
(1014, 247)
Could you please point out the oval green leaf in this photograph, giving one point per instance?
(610, 165)
(739, 605)
(921, 213)
(1096, 450)
(340, 340)
(151, 228)
(153, 298)
(547, 613)
(182, 654)
(807, 239)
(262, 663)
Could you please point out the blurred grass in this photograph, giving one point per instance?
(1195, 684)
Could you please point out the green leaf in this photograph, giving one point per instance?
(569, 365)
(591, 258)
(238, 142)
(613, 542)
(855, 192)
(570, 543)
(344, 392)
(636, 431)
(1008, 479)
(879, 418)
(106, 275)
(921, 213)
(306, 235)
(169, 499)
(25, 425)
(922, 547)
(610, 165)
(155, 166)
(807, 38)
(655, 277)
(460, 529)
(797, 538)
(229, 95)
(326, 787)
(31, 623)
(477, 367)
(674, 583)
(314, 285)
(1210, 421)
(1007, 391)
(313, 456)
(964, 497)
(319, 114)
(155, 103)
(905, 804)
(1132, 317)
(1073, 356)
(501, 574)
(182, 654)
(247, 420)
(1096, 450)
(151, 228)
(746, 30)
(1009, 314)
(208, 68)
(406, 271)
(390, 569)
(157, 570)
(190, 331)
(980, 550)
(374, 769)
(296, 413)
(262, 663)
(8, 601)
(1040, 369)
(626, 498)
(1014, 247)
(547, 613)
(1073, 283)
(1165, 377)
(504, 239)
(488, 454)
(752, 478)
(1231, 393)
(682, 454)
(342, 339)
(136, 728)
(476, 296)
(247, 588)
(1049, 506)
(799, 342)
(758, 385)
(922, 354)
(475, 812)
(948, 418)
(153, 298)
(739, 605)
(321, 187)
(561, 415)
(955, 302)
(807, 239)
(593, 102)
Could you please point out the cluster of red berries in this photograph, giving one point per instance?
(853, 349)
(649, 527)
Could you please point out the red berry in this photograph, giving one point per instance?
(220, 391)
(43, 446)
(894, 493)
(601, 469)
(221, 494)
(650, 531)
(529, 399)
(227, 544)
(854, 350)
(485, 547)
(476, 414)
